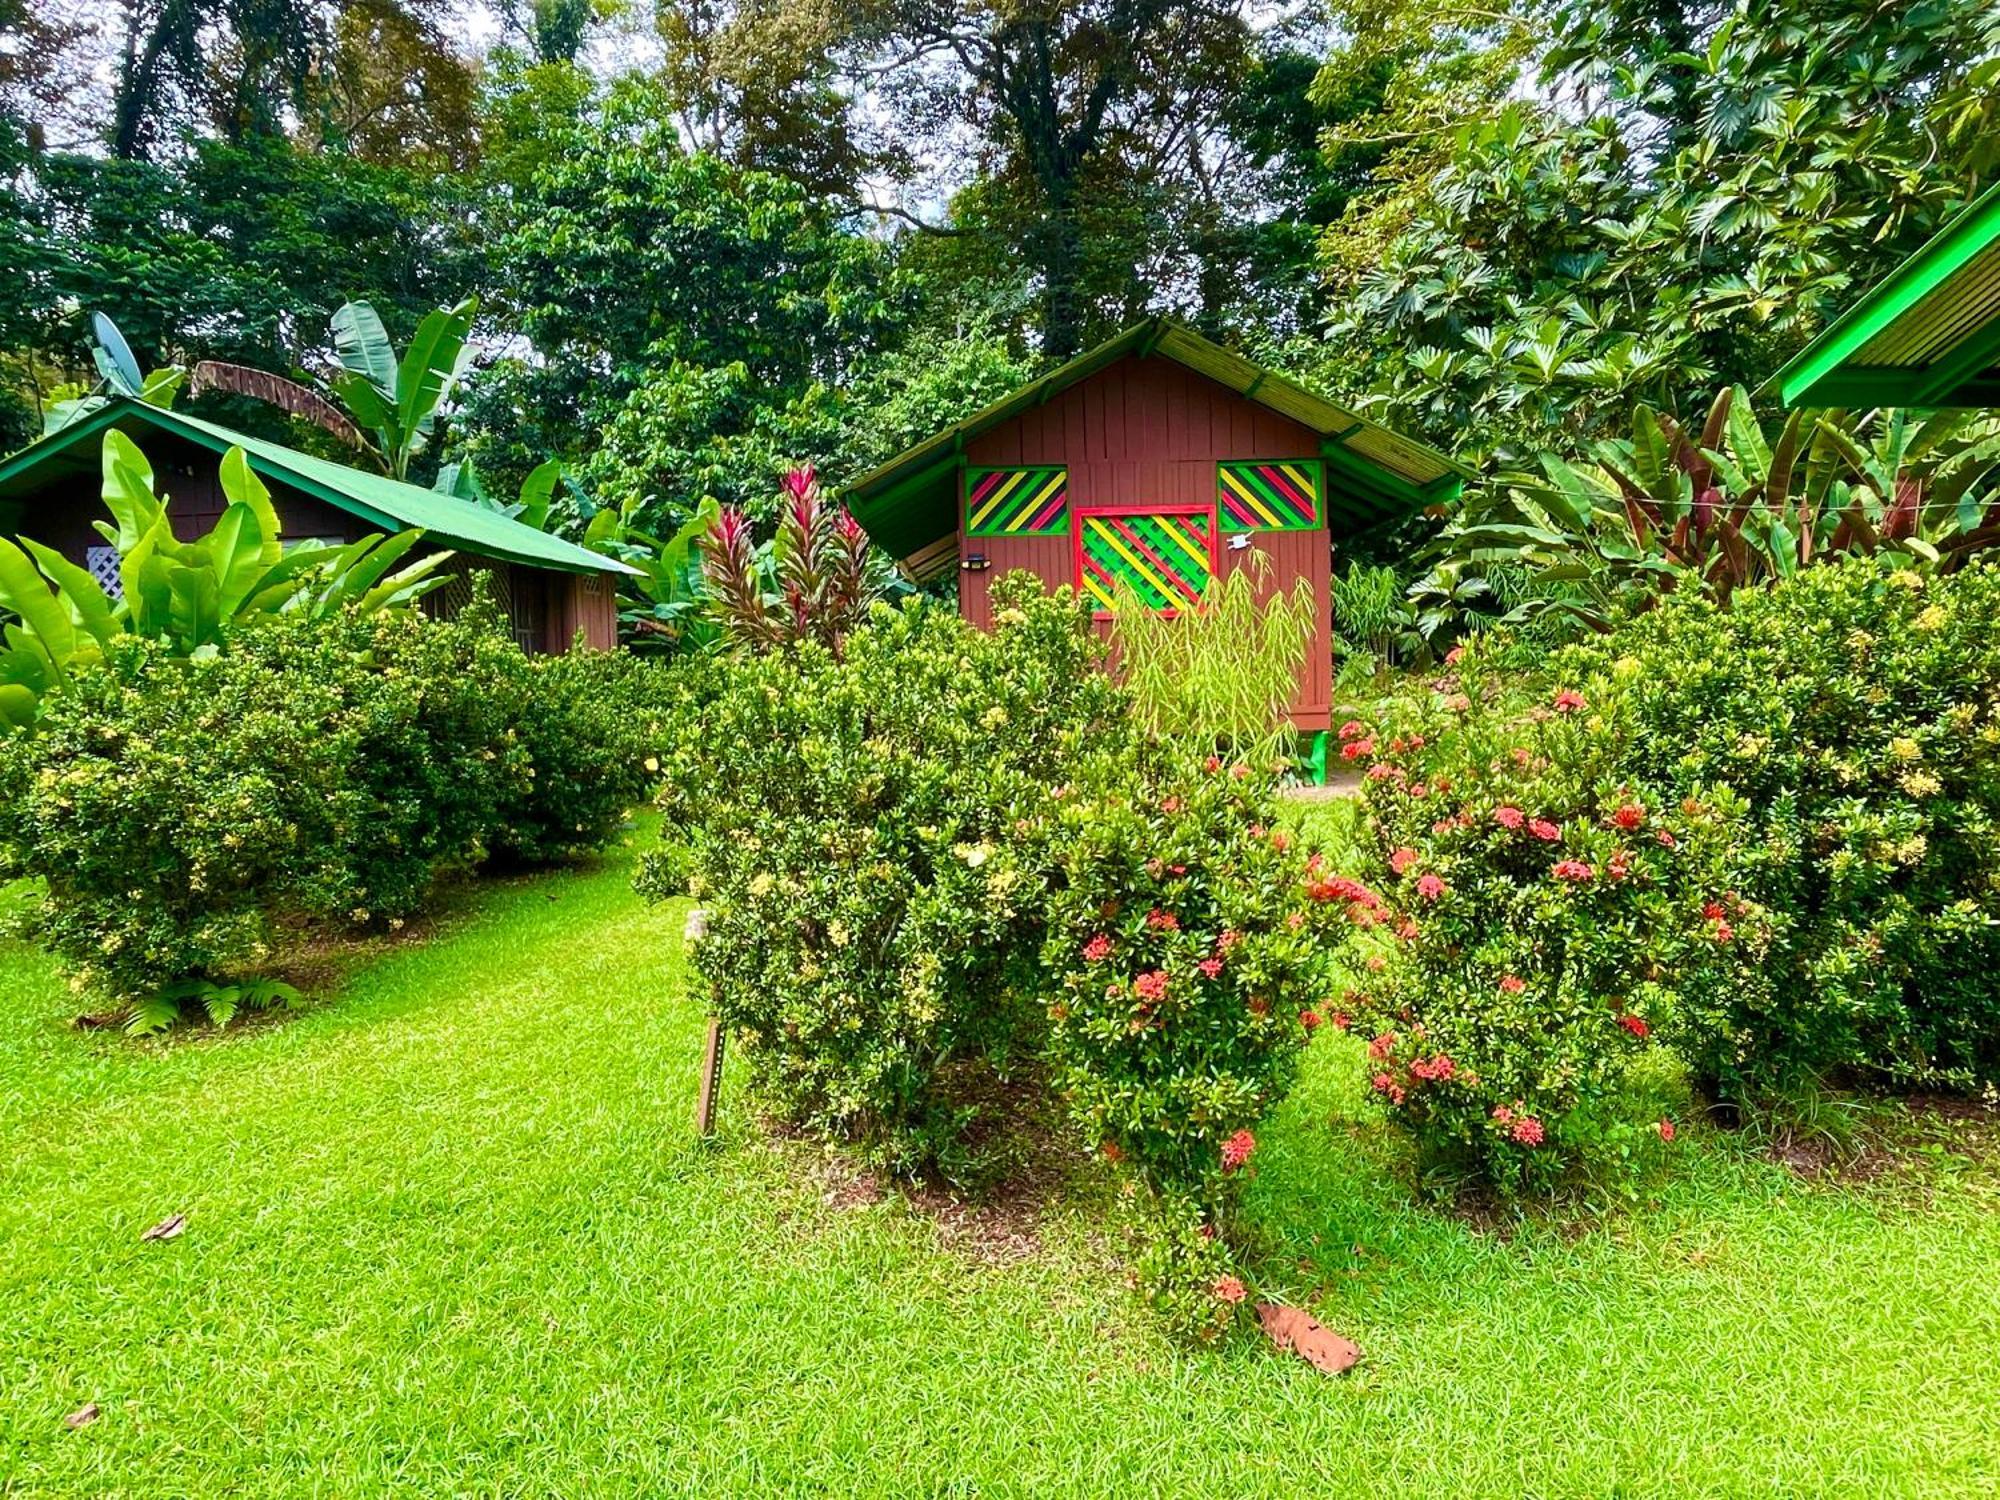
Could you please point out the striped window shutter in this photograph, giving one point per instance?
(1017, 502)
(1280, 495)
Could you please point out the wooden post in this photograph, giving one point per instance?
(711, 1079)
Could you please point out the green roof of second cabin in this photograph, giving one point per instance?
(1927, 336)
(376, 499)
(909, 505)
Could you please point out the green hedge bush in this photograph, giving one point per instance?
(1762, 838)
(1855, 714)
(867, 838)
(187, 816)
(1185, 969)
(1533, 931)
(945, 882)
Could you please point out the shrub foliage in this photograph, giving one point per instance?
(187, 816)
(947, 870)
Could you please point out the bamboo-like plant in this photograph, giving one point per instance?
(1221, 674)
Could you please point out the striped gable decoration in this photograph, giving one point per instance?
(1167, 558)
(1281, 496)
(1017, 502)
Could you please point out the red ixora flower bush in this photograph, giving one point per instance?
(1514, 1024)
(1185, 947)
(1236, 1150)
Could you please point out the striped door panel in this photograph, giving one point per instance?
(1167, 559)
(1017, 502)
(1268, 496)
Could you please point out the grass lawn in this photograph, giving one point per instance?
(449, 1235)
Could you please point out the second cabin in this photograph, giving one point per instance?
(1159, 461)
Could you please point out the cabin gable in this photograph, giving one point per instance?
(1146, 440)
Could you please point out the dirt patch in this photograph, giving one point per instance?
(1898, 1140)
(1339, 785)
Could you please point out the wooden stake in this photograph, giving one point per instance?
(711, 1079)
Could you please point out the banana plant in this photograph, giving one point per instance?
(398, 399)
(394, 399)
(190, 595)
(118, 374)
(461, 481)
(665, 605)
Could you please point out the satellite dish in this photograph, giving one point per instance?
(114, 357)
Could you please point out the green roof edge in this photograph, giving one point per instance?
(539, 549)
(1970, 231)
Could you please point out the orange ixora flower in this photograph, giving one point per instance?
(1236, 1150)
(1229, 1289)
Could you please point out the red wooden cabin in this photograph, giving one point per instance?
(1159, 460)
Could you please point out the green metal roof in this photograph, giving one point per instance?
(375, 498)
(910, 504)
(1927, 336)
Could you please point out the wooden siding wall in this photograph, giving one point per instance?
(583, 602)
(1150, 431)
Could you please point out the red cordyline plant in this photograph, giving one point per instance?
(814, 586)
(1728, 506)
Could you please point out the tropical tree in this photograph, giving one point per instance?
(1657, 217)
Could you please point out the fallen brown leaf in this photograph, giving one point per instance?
(167, 1228)
(1296, 1329)
(83, 1416)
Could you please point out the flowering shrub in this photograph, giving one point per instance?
(868, 836)
(1187, 972)
(187, 815)
(1854, 714)
(1531, 929)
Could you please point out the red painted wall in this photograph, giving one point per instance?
(1150, 431)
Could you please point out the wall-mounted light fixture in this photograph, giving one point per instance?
(1240, 542)
(974, 562)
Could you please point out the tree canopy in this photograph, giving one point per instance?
(709, 237)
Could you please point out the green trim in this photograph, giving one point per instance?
(1821, 373)
(1399, 492)
(376, 499)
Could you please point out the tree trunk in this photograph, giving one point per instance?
(1061, 257)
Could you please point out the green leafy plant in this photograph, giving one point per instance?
(193, 819)
(118, 373)
(1530, 929)
(394, 399)
(1731, 506)
(866, 835)
(1185, 979)
(1850, 712)
(189, 596)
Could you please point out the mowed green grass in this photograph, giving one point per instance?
(448, 1234)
